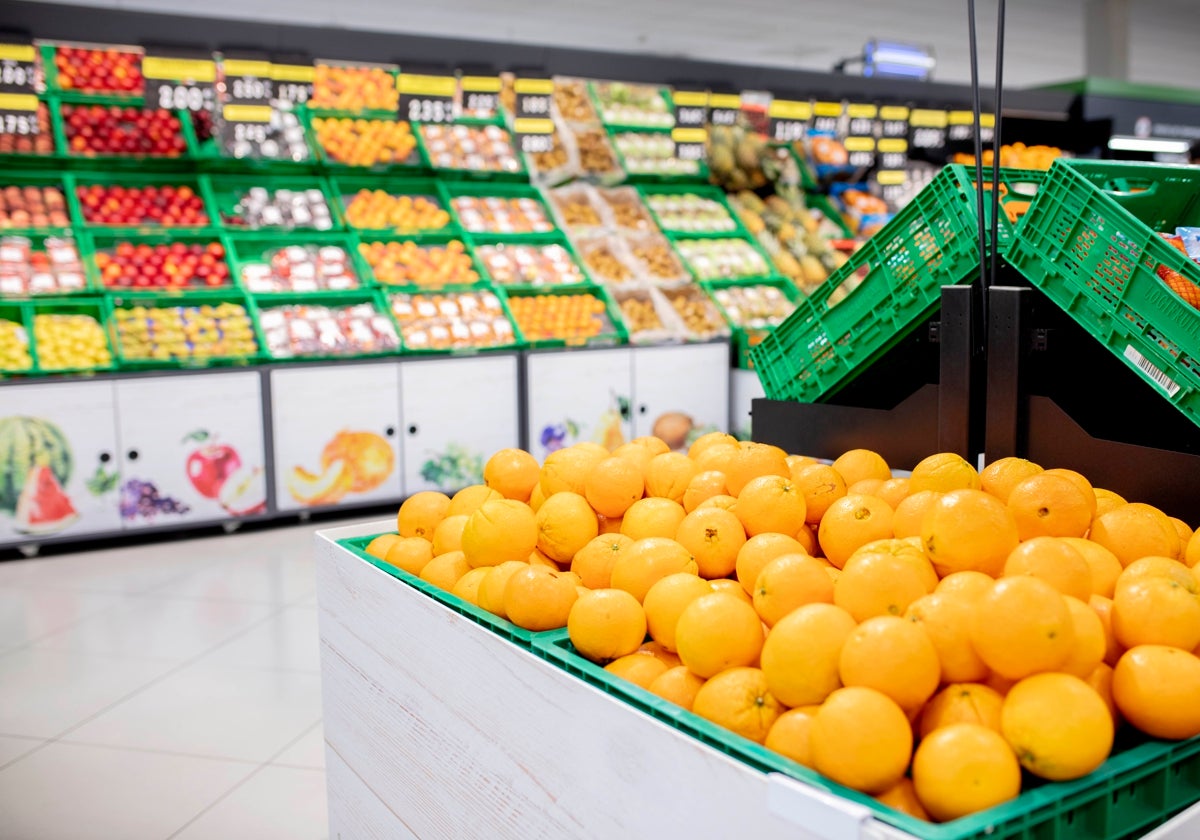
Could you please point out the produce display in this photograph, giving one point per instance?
(654, 258)
(573, 318)
(1017, 156)
(576, 208)
(651, 153)
(627, 210)
(310, 330)
(553, 166)
(185, 333)
(380, 210)
(14, 346)
(166, 205)
(265, 207)
(596, 158)
(70, 342)
(641, 315)
(111, 71)
(572, 100)
(360, 142)
(474, 148)
(498, 214)
(353, 88)
(606, 259)
(797, 239)
(696, 310)
(33, 207)
(691, 213)
(299, 268)
(408, 263)
(754, 307)
(41, 143)
(282, 139)
(716, 259)
(739, 159)
(113, 130)
(177, 266)
(643, 106)
(536, 265)
(30, 266)
(940, 642)
(453, 321)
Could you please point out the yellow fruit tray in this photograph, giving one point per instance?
(91, 308)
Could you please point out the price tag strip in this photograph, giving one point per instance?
(724, 108)
(861, 151)
(426, 99)
(862, 120)
(531, 121)
(827, 118)
(690, 133)
(962, 127)
(18, 91)
(187, 84)
(293, 83)
(788, 120)
(481, 95)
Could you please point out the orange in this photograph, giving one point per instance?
(379, 546)
(946, 617)
(999, 684)
(707, 440)
(1101, 681)
(635, 453)
(716, 458)
(739, 700)
(592, 448)
(1107, 500)
(1055, 561)
(797, 462)
(911, 512)
(703, 486)
(902, 796)
(860, 738)
(972, 584)
(721, 501)
(513, 473)
(447, 536)
(1079, 481)
(801, 654)
(565, 524)
(821, 486)
(1102, 607)
(593, 563)
(1000, 477)
(679, 685)
(893, 491)
(865, 487)
(1105, 566)
(648, 561)
(964, 768)
(851, 522)
(752, 460)
(732, 587)
(909, 550)
(640, 668)
(1159, 567)
(670, 658)
(858, 464)
(944, 471)
(894, 656)
(879, 583)
(758, 552)
(421, 513)
(714, 537)
(567, 470)
(1181, 528)
(1156, 687)
(1155, 610)
(652, 444)
(789, 734)
(1134, 531)
(665, 602)
(770, 504)
(1050, 505)
(612, 485)
(1057, 725)
(491, 590)
(1090, 641)
(410, 554)
(1191, 553)
(444, 571)
(788, 583)
(718, 631)
(538, 598)
(469, 499)
(652, 517)
(968, 530)
(467, 586)
(499, 531)
(1023, 626)
(961, 703)
(606, 624)
(668, 476)
(536, 498)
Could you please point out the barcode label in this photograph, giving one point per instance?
(1147, 367)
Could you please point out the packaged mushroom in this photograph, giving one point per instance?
(607, 259)
(264, 207)
(648, 317)
(699, 315)
(654, 259)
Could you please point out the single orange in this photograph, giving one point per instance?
(910, 550)
(469, 499)
(1090, 641)
(798, 462)
(1159, 567)
(653, 445)
(1000, 477)
(788, 583)
(707, 440)
(606, 624)
(513, 473)
(879, 583)
(567, 470)
(714, 537)
(946, 617)
(739, 700)
(789, 734)
(565, 524)
(758, 552)
(538, 598)
(731, 587)
(865, 487)
(961, 703)
(640, 668)
(943, 472)
(910, 513)
(1102, 607)
(1101, 681)
(669, 658)
(1155, 688)
(801, 654)
(447, 536)
(491, 590)
(499, 531)
(666, 600)
(807, 537)
(1057, 725)
(716, 632)
(410, 554)
(750, 461)
(703, 486)
(972, 584)
(1191, 552)
(536, 498)
(1183, 529)
(968, 530)
(1155, 610)
(679, 685)
(860, 738)
(612, 485)
(1050, 505)
(1055, 561)
(648, 561)
(379, 546)
(902, 796)
(716, 458)
(1107, 500)
(858, 464)
(1134, 531)
(1022, 627)
(893, 491)
(652, 517)
(668, 476)
(593, 563)
(1105, 566)
(467, 586)
(894, 656)
(821, 486)
(770, 504)
(851, 522)
(421, 513)
(444, 571)
(721, 501)
(964, 768)
(635, 453)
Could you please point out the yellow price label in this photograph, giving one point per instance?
(180, 69)
(17, 52)
(543, 87)
(481, 84)
(924, 118)
(247, 67)
(247, 113)
(690, 98)
(786, 109)
(299, 73)
(417, 85)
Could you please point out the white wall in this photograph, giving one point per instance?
(1044, 37)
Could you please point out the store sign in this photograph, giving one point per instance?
(481, 95)
(691, 124)
(426, 99)
(891, 184)
(531, 121)
(293, 82)
(18, 68)
(927, 131)
(827, 118)
(788, 120)
(180, 84)
(723, 108)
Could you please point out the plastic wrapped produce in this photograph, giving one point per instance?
(452, 321)
(691, 213)
(716, 259)
(40, 265)
(548, 265)
(501, 214)
(475, 148)
(300, 268)
(625, 104)
(312, 330)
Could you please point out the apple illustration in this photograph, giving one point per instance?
(210, 466)
(245, 492)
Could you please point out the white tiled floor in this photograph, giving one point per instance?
(169, 690)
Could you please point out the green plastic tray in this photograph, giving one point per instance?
(597, 105)
(37, 178)
(1091, 243)
(699, 177)
(712, 194)
(51, 71)
(455, 189)
(264, 303)
(537, 240)
(342, 187)
(226, 190)
(745, 338)
(256, 248)
(615, 336)
(516, 344)
(743, 237)
(415, 165)
(108, 239)
(521, 175)
(70, 306)
(86, 178)
(137, 163)
(428, 240)
(114, 302)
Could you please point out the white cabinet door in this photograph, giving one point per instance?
(191, 448)
(680, 392)
(58, 461)
(336, 435)
(456, 413)
(744, 390)
(577, 395)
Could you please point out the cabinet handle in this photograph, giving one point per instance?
(132, 454)
(412, 430)
(642, 409)
(105, 457)
(390, 431)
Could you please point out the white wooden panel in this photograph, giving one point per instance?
(578, 395)
(691, 379)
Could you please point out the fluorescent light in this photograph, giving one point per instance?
(906, 59)
(1123, 143)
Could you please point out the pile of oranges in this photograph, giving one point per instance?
(573, 318)
(353, 88)
(356, 142)
(922, 639)
(427, 266)
(379, 209)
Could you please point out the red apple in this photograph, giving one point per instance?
(210, 465)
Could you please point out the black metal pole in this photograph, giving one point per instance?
(1000, 17)
(982, 225)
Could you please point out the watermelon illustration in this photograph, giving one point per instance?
(25, 443)
(43, 507)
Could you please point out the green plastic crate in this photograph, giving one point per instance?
(53, 84)
(93, 307)
(429, 240)
(769, 266)
(265, 303)
(663, 93)
(1091, 243)
(57, 159)
(81, 179)
(532, 241)
(886, 289)
(615, 334)
(257, 248)
(18, 312)
(22, 178)
(1142, 784)
(37, 240)
(133, 300)
(137, 163)
(344, 187)
(746, 338)
(210, 156)
(108, 240)
(391, 294)
(700, 176)
(711, 193)
(227, 190)
(520, 174)
(478, 189)
(414, 165)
